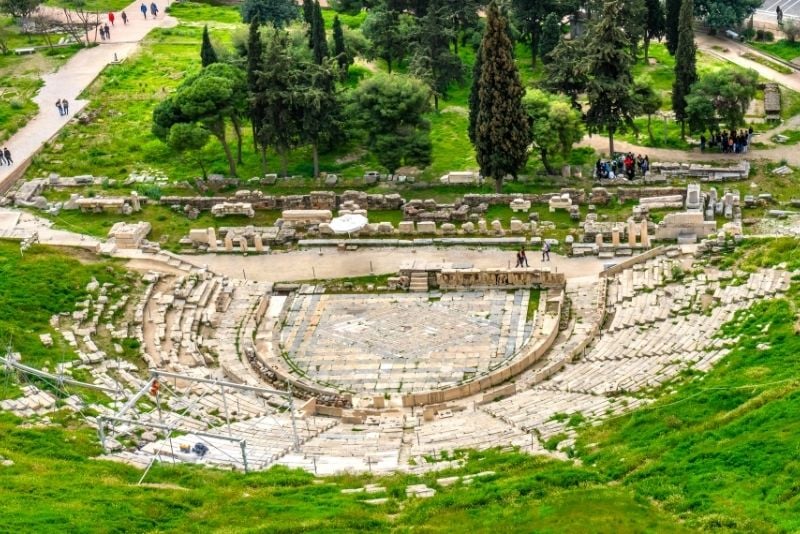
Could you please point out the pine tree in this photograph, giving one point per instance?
(609, 69)
(655, 26)
(685, 64)
(433, 61)
(502, 133)
(673, 10)
(308, 11)
(340, 47)
(551, 35)
(318, 39)
(207, 53)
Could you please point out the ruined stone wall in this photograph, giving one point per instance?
(498, 278)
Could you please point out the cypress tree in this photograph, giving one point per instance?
(207, 53)
(551, 35)
(685, 64)
(655, 26)
(673, 10)
(474, 93)
(308, 11)
(502, 133)
(255, 51)
(610, 84)
(318, 39)
(339, 47)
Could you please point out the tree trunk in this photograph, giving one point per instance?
(455, 43)
(237, 129)
(546, 161)
(203, 168)
(650, 129)
(435, 102)
(646, 49)
(389, 64)
(284, 153)
(219, 132)
(315, 155)
(534, 42)
(263, 151)
(611, 142)
(683, 130)
(498, 185)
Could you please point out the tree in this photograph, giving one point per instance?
(551, 35)
(433, 61)
(474, 95)
(389, 33)
(308, 12)
(648, 101)
(255, 53)
(723, 96)
(208, 99)
(529, 15)
(655, 24)
(390, 109)
(351, 7)
(722, 14)
(502, 132)
(567, 72)
(319, 108)
(673, 10)
(319, 42)
(791, 29)
(187, 137)
(611, 103)
(633, 15)
(340, 47)
(555, 126)
(463, 14)
(19, 9)
(685, 64)
(277, 96)
(278, 13)
(207, 53)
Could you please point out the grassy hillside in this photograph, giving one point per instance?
(716, 452)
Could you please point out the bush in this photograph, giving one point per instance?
(765, 36)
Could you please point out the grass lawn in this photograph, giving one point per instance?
(102, 6)
(782, 49)
(204, 12)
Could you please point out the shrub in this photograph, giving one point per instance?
(792, 30)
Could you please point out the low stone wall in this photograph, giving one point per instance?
(641, 258)
(637, 193)
(453, 279)
(316, 200)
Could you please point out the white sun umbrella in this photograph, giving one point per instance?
(349, 223)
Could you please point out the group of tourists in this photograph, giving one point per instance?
(728, 142)
(105, 32)
(153, 9)
(5, 157)
(622, 166)
(522, 258)
(63, 106)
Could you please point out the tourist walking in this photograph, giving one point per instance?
(60, 107)
(143, 9)
(111, 17)
(523, 258)
(153, 9)
(2, 158)
(65, 106)
(124, 17)
(7, 156)
(108, 32)
(546, 251)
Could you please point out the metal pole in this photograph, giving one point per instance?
(101, 431)
(225, 405)
(294, 423)
(243, 445)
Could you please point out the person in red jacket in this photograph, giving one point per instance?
(111, 17)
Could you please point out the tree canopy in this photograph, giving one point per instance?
(555, 125)
(278, 13)
(721, 97)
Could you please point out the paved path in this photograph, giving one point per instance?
(19, 225)
(71, 79)
(309, 264)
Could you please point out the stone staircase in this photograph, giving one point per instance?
(418, 282)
